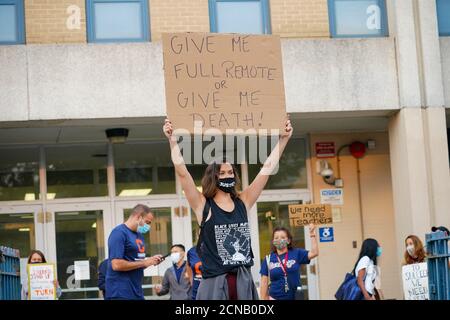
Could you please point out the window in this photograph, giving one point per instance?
(79, 237)
(236, 16)
(292, 168)
(117, 21)
(443, 15)
(76, 171)
(143, 169)
(17, 231)
(357, 18)
(12, 22)
(19, 174)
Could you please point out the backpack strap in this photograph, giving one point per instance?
(268, 269)
(204, 217)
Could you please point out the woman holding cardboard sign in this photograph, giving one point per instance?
(224, 245)
(37, 256)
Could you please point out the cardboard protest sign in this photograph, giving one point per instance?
(226, 81)
(303, 214)
(41, 278)
(415, 281)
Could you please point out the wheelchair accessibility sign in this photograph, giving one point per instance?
(326, 234)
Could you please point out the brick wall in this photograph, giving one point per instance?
(178, 16)
(299, 18)
(46, 21)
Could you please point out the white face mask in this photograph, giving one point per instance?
(175, 257)
(410, 250)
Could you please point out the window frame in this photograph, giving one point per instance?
(212, 4)
(438, 14)
(20, 21)
(90, 22)
(384, 31)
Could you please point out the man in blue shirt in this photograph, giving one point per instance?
(127, 259)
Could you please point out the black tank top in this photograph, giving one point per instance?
(226, 243)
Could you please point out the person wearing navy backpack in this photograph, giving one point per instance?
(366, 270)
(282, 267)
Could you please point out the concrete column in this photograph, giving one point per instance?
(418, 53)
(429, 54)
(42, 244)
(407, 55)
(409, 175)
(434, 113)
(111, 223)
(435, 135)
(420, 171)
(418, 142)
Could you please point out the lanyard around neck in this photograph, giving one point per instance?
(283, 266)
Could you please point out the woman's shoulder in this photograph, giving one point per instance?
(120, 229)
(238, 199)
(364, 261)
(297, 249)
(298, 253)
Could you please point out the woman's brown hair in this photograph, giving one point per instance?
(211, 178)
(289, 235)
(419, 251)
(36, 252)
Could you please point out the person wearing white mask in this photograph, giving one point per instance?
(176, 279)
(415, 252)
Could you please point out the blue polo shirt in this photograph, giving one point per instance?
(125, 244)
(296, 257)
(179, 271)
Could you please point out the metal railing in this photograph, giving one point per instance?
(10, 285)
(438, 265)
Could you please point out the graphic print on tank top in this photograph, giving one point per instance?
(233, 243)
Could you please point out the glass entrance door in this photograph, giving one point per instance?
(21, 229)
(76, 233)
(79, 244)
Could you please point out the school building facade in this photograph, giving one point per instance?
(374, 71)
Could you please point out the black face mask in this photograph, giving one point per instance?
(226, 185)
